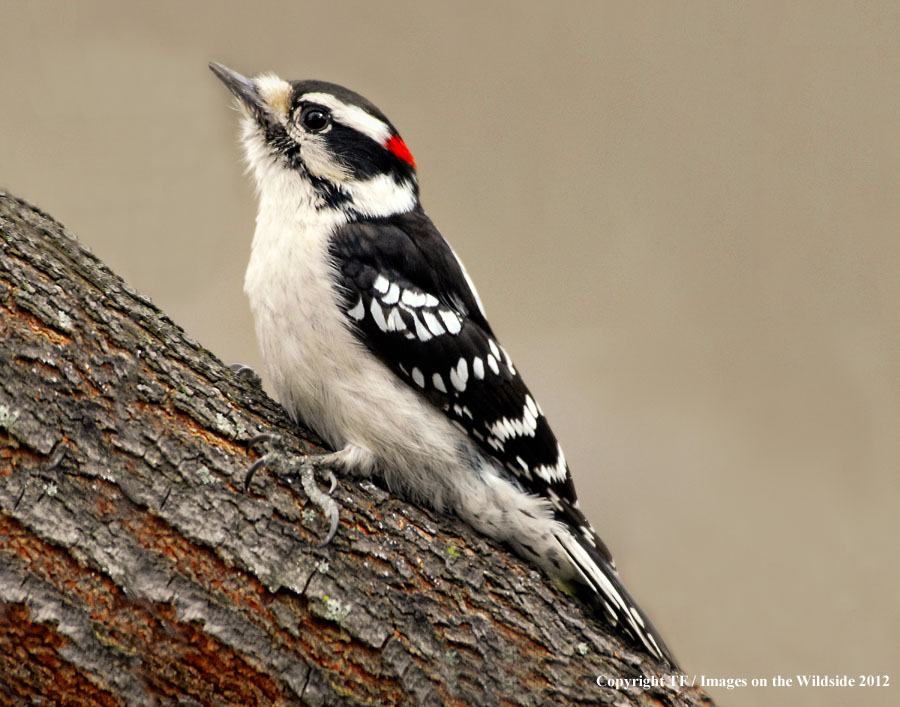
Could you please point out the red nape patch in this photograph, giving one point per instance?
(396, 145)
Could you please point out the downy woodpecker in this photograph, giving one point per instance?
(374, 336)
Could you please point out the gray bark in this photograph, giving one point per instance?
(135, 569)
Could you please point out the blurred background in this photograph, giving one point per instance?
(682, 219)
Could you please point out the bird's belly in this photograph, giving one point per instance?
(326, 378)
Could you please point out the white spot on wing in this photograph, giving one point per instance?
(421, 331)
(492, 363)
(556, 473)
(381, 284)
(418, 377)
(378, 316)
(478, 368)
(460, 375)
(393, 294)
(412, 298)
(451, 321)
(439, 382)
(358, 311)
(532, 407)
(525, 426)
(432, 323)
(395, 321)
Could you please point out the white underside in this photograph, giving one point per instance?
(326, 378)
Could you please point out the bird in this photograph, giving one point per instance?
(374, 336)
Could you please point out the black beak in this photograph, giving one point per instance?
(240, 86)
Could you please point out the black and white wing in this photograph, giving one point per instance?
(412, 305)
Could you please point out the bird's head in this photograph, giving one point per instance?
(325, 142)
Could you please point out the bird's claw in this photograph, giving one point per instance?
(291, 467)
(320, 498)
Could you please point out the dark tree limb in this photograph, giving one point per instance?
(134, 569)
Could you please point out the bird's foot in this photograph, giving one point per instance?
(303, 468)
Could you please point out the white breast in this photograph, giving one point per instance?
(288, 283)
(319, 371)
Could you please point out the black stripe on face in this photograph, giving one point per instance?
(364, 157)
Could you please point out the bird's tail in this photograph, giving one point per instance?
(604, 587)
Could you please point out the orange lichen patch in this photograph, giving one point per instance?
(33, 669)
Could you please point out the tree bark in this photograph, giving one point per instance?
(135, 569)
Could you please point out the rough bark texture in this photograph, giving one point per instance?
(134, 569)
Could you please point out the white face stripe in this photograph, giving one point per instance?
(352, 116)
(318, 157)
(381, 195)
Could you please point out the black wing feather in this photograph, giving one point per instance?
(379, 263)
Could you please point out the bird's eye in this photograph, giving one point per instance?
(315, 119)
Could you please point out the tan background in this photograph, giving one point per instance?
(683, 219)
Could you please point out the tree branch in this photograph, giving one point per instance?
(135, 569)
